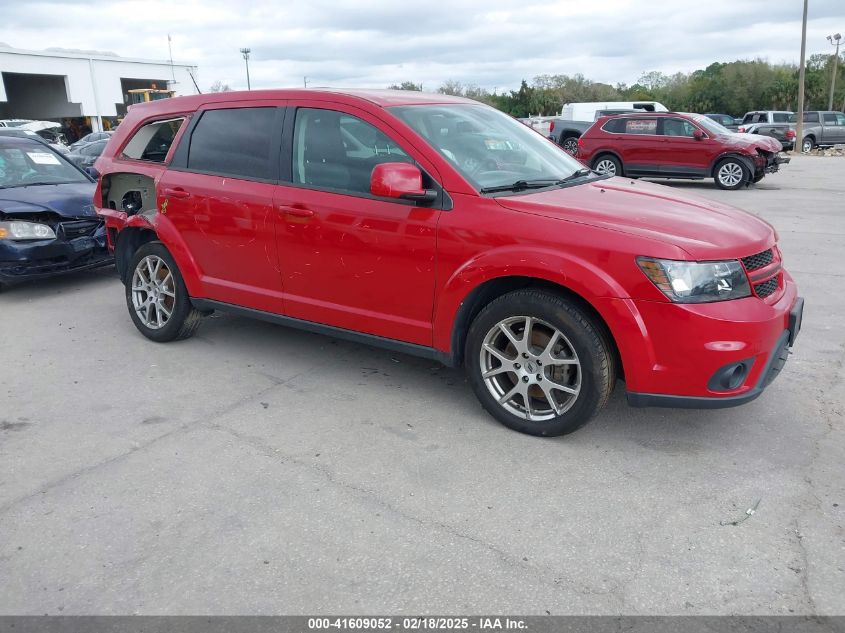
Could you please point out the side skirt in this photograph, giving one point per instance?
(328, 330)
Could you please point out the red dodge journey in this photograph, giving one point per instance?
(440, 227)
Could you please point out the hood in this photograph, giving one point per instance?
(705, 229)
(37, 126)
(740, 140)
(73, 200)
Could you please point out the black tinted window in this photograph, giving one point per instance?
(829, 119)
(677, 127)
(236, 142)
(615, 126)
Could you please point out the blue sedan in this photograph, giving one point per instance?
(47, 221)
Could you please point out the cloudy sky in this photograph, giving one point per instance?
(372, 43)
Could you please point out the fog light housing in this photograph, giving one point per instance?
(731, 376)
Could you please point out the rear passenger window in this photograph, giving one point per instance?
(780, 117)
(153, 140)
(640, 126)
(234, 142)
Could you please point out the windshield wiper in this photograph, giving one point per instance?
(580, 173)
(520, 185)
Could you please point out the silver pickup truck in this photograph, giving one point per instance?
(822, 128)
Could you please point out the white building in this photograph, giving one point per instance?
(80, 88)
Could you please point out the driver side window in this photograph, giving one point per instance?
(337, 151)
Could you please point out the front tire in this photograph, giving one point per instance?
(538, 363)
(731, 174)
(157, 298)
(808, 145)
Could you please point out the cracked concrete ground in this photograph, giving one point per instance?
(259, 470)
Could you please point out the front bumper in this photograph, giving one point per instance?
(36, 259)
(777, 360)
(685, 349)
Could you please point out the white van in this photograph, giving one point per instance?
(587, 111)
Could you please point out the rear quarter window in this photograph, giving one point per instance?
(153, 140)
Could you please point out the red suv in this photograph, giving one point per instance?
(440, 227)
(674, 145)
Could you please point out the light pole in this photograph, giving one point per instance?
(245, 52)
(834, 40)
(799, 123)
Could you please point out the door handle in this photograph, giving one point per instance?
(297, 212)
(176, 192)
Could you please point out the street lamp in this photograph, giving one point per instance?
(834, 41)
(245, 52)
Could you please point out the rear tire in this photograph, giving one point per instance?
(157, 298)
(731, 173)
(570, 145)
(608, 164)
(551, 374)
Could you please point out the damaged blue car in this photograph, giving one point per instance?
(48, 225)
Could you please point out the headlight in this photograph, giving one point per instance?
(26, 231)
(697, 282)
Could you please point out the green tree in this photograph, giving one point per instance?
(406, 85)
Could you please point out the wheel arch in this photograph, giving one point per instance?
(486, 292)
(745, 160)
(607, 152)
(129, 240)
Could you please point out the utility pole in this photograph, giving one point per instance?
(799, 125)
(834, 40)
(305, 82)
(170, 50)
(245, 52)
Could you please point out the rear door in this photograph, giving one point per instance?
(640, 146)
(834, 127)
(218, 194)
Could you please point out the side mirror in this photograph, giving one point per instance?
(698, 135)
(92, 172)
(399, 180)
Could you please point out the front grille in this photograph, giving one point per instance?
(78, 228)
(766, 288)
(760, 260)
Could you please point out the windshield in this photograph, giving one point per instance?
(29, 165)
(710, 125)
(488, 147)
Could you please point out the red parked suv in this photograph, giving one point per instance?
(438, 226)
(674, 145)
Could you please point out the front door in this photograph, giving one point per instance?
(220, 200)
(683, 154)
(348, 258)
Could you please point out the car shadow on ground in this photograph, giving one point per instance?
(379, 369)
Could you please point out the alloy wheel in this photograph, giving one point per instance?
(606, 167)
(530, 368)
(730, 174)
(153, 292)
(570, 146)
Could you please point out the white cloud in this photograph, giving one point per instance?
(369, 43)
